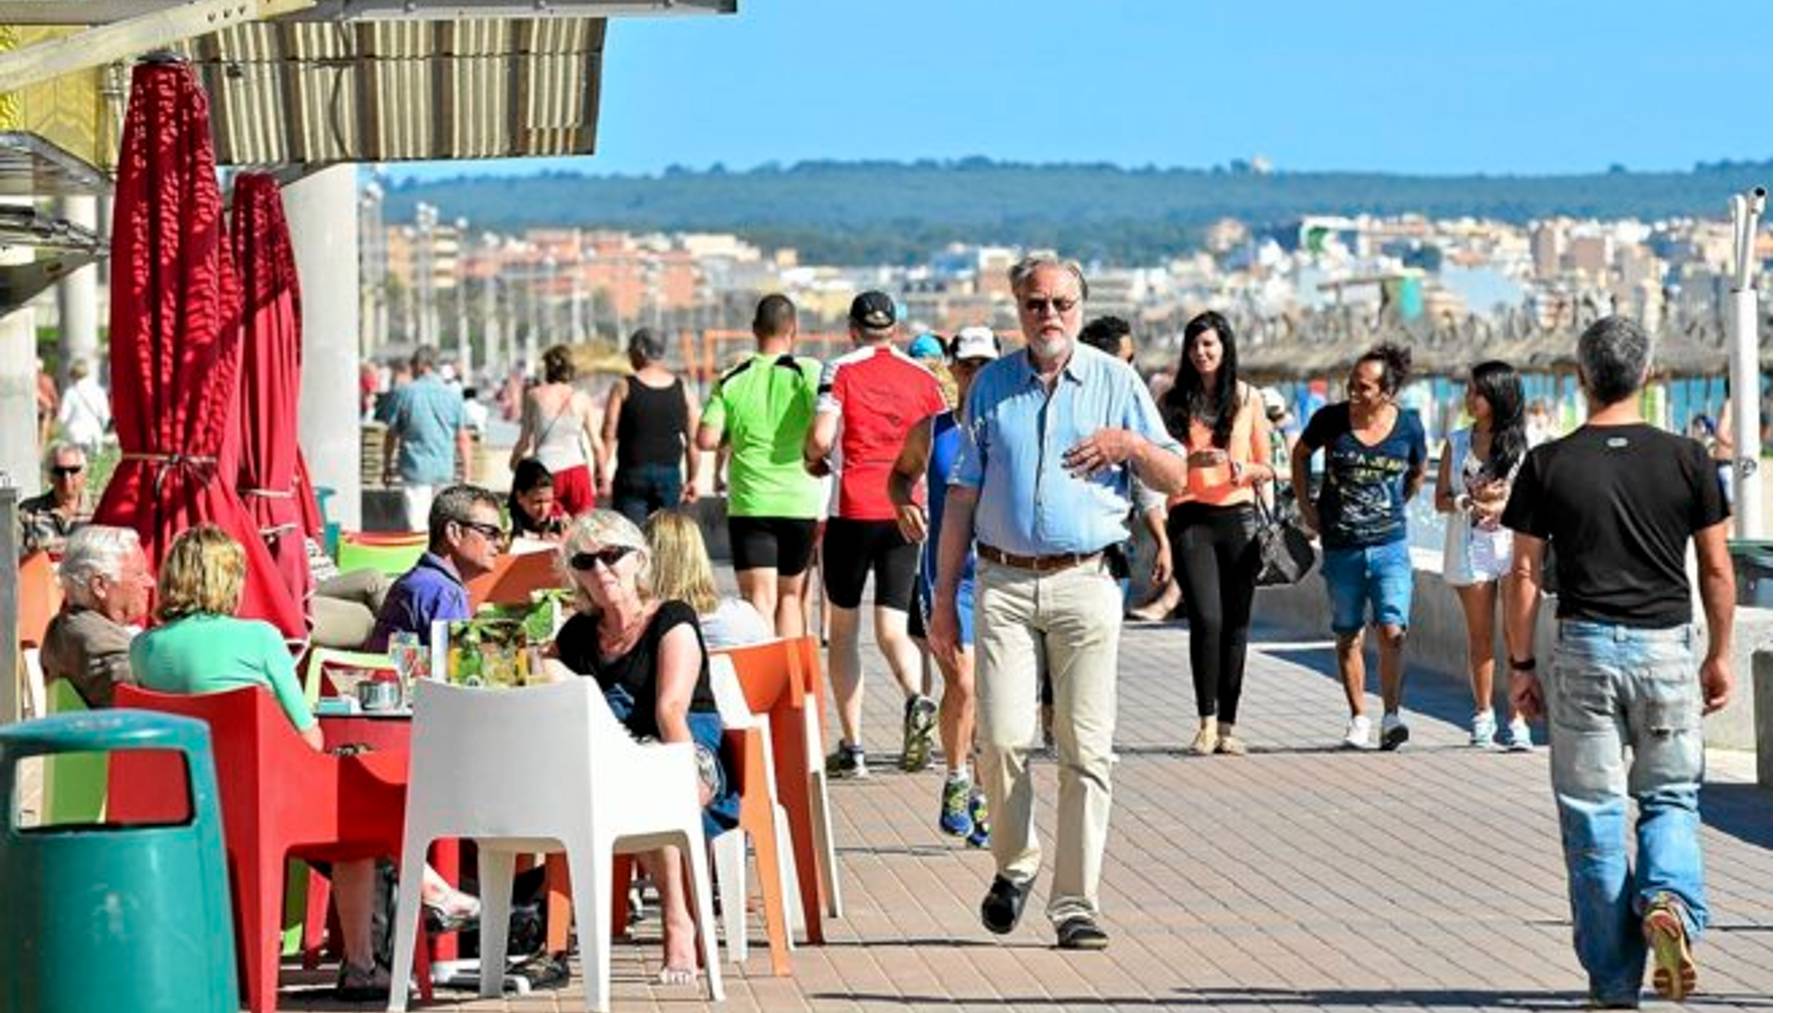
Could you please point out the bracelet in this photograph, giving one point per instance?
(1522, 665)
(1463, 502)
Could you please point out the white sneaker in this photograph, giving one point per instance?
(1519, 736)
(1393, 732)
(1482, 730)
(1356, 736)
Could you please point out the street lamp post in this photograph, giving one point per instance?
(1746, 367)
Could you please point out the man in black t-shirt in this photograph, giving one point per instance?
(1620, 499)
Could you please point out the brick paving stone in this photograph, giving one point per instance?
(1300, 876)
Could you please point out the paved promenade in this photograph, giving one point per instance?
(1298, 877)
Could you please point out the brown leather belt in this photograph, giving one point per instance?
(1036, 564)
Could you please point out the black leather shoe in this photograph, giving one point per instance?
(1004, 902)
(1080, 933)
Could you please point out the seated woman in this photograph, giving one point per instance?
(647, 657)
(681, 571)
(201, 647)
(532, 507)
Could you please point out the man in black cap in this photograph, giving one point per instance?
(868, 400)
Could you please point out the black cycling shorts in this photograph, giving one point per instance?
(852, 548)
(785, 543)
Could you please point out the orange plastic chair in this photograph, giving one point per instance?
(40, 597)
(279, 798)
(513, 578)
(779, 679)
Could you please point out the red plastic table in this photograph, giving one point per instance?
(393, 731)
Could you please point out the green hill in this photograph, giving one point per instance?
(893, 212)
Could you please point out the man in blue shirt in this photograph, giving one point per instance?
(426, 422)
(465, 541)
(1054, 434)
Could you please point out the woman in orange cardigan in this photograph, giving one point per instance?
(1212, 522)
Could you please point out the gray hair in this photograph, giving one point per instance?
(1614, 353)
(61, 447)
(94, 550)
(598, 528)
(647, 345)
(1024, 269)
(455, 504)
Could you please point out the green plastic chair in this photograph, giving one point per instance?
(318, 657)
(392, 560)
(74, 783)
(121, 918)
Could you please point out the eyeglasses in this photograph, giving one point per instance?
(66, 470)
(608, 554)
(1040, 306)
(491, 532)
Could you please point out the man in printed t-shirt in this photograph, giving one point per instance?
(1375, 458)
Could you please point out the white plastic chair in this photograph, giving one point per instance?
(36, 704)
(824, 839)
(545, 769)
(729, 849)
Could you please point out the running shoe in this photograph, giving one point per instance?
(1673, 973)
(1483, 729)
(1393, 732)
(1519, 736)
(921, 722)
(953, 814)
(1356, 735)
(978, 818)
(847, 762)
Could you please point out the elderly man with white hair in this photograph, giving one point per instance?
(1054, 435)
(106, 585)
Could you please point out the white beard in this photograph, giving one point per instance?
(1049, 349)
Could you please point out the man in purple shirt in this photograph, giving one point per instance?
(465, 540)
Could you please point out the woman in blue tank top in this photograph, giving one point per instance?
(930, 452)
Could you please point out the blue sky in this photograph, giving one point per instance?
(1450, 86)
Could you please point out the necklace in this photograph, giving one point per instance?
(614, 645)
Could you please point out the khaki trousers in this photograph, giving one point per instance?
(1069, 620)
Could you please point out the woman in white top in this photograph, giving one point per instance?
(1475, 473)
(86, 410)
(681, 571)
(560, 426)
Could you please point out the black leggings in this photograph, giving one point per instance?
(1216, 563)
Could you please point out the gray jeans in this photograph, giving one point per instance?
(345, 606)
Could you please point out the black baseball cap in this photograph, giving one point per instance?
(872, 310)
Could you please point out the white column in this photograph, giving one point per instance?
(18, 384)
(321, 214)
(78, 297)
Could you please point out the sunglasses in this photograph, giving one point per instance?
(1041, 306)
(491, 532)
(64, 471)
(609, 555)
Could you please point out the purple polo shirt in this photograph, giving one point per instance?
(430, 590)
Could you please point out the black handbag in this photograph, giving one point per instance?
(1285, 548)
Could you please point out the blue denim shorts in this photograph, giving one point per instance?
(1378, 577)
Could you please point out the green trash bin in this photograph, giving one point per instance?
(120, 918)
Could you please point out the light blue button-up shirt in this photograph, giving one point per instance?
(1016, 432)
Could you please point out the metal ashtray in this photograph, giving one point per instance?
(378, 696)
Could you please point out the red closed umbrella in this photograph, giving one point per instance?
(175, 339)
(269, 474)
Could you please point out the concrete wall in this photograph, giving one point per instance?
(1436, 644)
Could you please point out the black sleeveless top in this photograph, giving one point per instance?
(652, 424)
(578, 647)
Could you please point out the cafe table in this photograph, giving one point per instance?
(343, 724)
